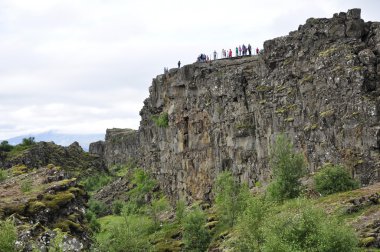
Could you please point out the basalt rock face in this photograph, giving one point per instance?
(120, 147)
(320, 85)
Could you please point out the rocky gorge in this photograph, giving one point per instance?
(320, 85)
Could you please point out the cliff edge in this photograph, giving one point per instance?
(319, 84)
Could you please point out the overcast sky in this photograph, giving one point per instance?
(82, 66)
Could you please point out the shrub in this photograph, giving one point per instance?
(131, 234)
(130, 208)
(5, 146)
(3, 175)
(94, 225)
(162, 120)
(180, 211)
(24, 145)
(26, 185)
(28, 141)
(298, 226)
(92, 220)
(288, 167)
(195, 235)
(94, 183)
(230, 198)
(117, 207)
(8, 236)
(56, 244)
(97, 207)
(143, 185)
(157, 207)
(334, 178)
(250, 225)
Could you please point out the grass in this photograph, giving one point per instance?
(3, 175)
(162, 120)
(106, 223)
(26, 185)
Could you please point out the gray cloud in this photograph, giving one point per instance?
(84, 66)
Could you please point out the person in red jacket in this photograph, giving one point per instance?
(257, 51)
(230, 53)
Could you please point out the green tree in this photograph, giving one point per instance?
(195, 235)
(250, 224)
(143, 186)
(230, 198)
(287, 167)
(157, 207)
(298, 226)
(8, 236)
(28, 141)
(5, 146)
(334, 178)
(131, 234)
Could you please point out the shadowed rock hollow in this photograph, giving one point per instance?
(319, 84)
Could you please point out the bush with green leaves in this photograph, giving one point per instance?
(117, 207)
(334, 178)
(131, 234)
(131, 208)
(180, 211)
(8, 236)
(156, 208)
(143, 185)
(162, 120)
(56, 244)
(28, 141)
(230, 198)
(287, 167)
(295, 226)
(98, 207)
(96, 182)
(250, 225)
(3, 175)
(93, 222)
(5, 146)
(195, 235)
(26, 185)
(24, 145)
(298, 226)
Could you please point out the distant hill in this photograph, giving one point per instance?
(61, 139)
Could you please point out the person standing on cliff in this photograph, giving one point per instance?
(249, 49)
(215, 54)
(237, 52)
(257, 51)
(179, 64)
(230, 54)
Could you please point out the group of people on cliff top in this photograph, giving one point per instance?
(240, 50)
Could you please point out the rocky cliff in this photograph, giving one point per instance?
(319, 84)
(72, 158)
(41, 201)
(120, 147)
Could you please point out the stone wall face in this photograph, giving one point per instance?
(120, 146)
(319, 85)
